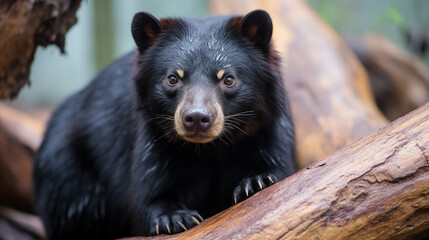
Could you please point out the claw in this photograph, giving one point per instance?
(181, 225)
(260, 184)
(168, 228)
(199, 216)
(269, 178)
(235, 199)
(157, 229)
(246, 189)
(195, 220)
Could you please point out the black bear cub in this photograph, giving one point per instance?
(192, 122)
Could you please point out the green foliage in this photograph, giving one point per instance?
(389, 16)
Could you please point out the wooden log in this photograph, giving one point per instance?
(16, 164)
(24, 25)
(375, 188)
(399, 80)
(331, 100)
(20, 135)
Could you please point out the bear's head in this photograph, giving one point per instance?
(200, 80)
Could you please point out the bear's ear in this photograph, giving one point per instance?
(145, 29)
(257, 27)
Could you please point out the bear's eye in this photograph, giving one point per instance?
(172, 80)
(229, 81)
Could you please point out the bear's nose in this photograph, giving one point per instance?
(197, 119)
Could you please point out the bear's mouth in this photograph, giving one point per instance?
(198, 138)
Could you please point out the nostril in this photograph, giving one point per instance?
(189, 119)
(205, 119)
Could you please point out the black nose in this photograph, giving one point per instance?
(197, 119)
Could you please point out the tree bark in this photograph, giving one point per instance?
(375, 188)
(329, 92)
(24, 25)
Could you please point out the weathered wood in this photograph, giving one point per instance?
(375, 188)
(399, 80)
(329, 92)
(24, 25)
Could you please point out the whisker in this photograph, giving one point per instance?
(162, 116)
(229, 139)
(233, 123)
(245, 113)
(235, 126)
(236, 119)
(220, 138)
(163, 121)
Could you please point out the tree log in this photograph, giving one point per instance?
(24, 25)
(20, 135)
(330, 95)
(375, 188)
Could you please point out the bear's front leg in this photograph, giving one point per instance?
(175, 222)
(249, 186)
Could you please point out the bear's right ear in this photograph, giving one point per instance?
(257, 27)
(145, 29)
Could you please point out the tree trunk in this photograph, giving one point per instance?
(375, 188)
(24, 25)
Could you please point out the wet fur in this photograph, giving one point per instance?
(111, 163)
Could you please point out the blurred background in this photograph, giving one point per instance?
(103, 33)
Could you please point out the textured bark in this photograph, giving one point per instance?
(399, 80)
(375, 188)
(25, 24)
(330, 95)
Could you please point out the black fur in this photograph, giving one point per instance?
(111, 164)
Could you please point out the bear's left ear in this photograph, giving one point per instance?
(257, 27)
(145, 29)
